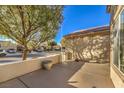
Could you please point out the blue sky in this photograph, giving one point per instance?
(82, 17)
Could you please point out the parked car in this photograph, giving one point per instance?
(2, 53)
(41, 49)
(57, 49)
(38, 50)
(11, 51)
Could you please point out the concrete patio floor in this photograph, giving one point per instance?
(73, 74)
(92, 75)
(57, 77)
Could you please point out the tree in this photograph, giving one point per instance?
(30, 25)
(51, 43)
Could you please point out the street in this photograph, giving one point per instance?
(18, 56)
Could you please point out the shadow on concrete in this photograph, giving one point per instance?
(57, 77)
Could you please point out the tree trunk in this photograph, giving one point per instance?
(24, 55)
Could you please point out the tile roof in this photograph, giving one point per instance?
(87, 31)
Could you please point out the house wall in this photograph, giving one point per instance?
(7, 45)
(91, 48)
(116, 76)
(116, 79)
(15, 69)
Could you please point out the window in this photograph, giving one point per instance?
(118, 45)
(122, 41)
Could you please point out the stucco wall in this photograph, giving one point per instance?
(13, 70)
(117, 81)
(88, 48)
(7, 45)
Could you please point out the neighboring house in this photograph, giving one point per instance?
(6, 43)
(117, 44)
(50, 45)
(90, 45)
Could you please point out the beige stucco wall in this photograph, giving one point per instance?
(13, 70)
(7, 45)
(117, 81)
(88, 48)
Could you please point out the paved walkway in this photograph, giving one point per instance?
(74, 74)
(57, 77)
(92, 75)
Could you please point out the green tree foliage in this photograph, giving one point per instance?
(30, 25)
(51, 44)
